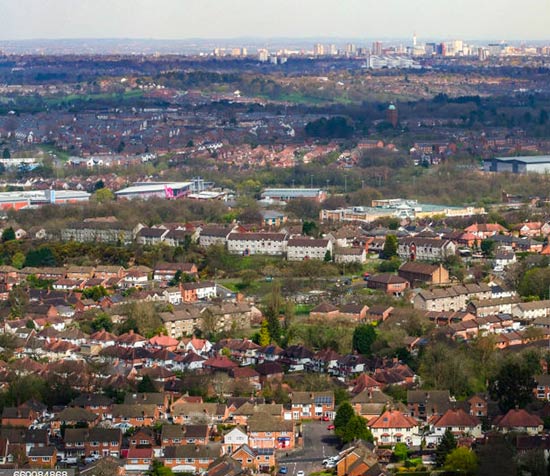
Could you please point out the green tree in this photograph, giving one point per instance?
(355, 429)
(512, 386)
(18, 260)
(103, 195)
(18, 300)
(446, 445)
(158, 469)
(488, 247)
(146, 385)
(95, 293)
(264, 338)
(272, 311)
(8, 234)
(401, 451)
(40, 257)
(309, 228)
(6, 153)
(535, 282)
(462, 460)
(364, 336)
(390, 247)
(343, 415)
(328, 257)
(102, 321)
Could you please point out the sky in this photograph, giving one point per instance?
(182, 19)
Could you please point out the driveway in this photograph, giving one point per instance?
(319, 443)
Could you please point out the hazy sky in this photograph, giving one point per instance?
(180, 19)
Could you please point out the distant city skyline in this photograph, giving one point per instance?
(223, 19)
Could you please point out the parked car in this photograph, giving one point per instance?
(283, 470)
(330, 427)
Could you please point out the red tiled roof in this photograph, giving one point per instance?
(518, 419)
(392, 419)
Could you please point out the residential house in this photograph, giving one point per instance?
(425, 404)
(214, 235)
(165, 272)
(92, 442)
(519, 421)
(395, 427)
(358, 459)
(542, 390)
(350, 255)
(425, 249)
(191, 458)
(44, 458)
(460, 423)
(273, 244)
(265, 431)
(299, 249)
(452, 298)
(485, 230)
(312, 405)
(389, 283)
(423, 273)
(136, 415)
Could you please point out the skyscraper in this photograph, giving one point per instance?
(318, 49)
(377, 48)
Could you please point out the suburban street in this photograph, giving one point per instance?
(319, 443)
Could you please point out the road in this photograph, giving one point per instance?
(319, 443)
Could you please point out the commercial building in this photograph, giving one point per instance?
(145, 190)
(285, 194)
(36, 198)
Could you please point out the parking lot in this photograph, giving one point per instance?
(319, 443)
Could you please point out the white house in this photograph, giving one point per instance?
(350, 255)
(234, 439)
(299, 249)
(458, 422)
(394, 427)
(273, 244)
(425, 249)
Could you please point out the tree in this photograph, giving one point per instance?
(364, 336)
(40, 257)
(343, 415)
(17, 300)
(390, 247)
(463, 460)
(488, 247)
(146, 385)
(272, 311)
(401, 451)
(446, 445)
(18, 260)
(103, 195)
(8, 234)
(309, 228)
(264, 338)
(159, 470)
(512, 386)
(328, 257)
(102, 321)
(6, 153)
(355, 429)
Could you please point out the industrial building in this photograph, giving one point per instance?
(518, 165)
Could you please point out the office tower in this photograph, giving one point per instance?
(318, 49)
(377, 48)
